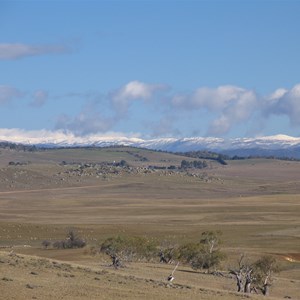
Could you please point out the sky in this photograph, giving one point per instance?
(150, 69)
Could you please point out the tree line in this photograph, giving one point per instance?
(205, 254)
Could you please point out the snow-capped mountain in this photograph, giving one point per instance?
(277, 145)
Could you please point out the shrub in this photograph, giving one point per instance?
(71, 241)
(46, 244)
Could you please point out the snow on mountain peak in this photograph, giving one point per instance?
(44, 138)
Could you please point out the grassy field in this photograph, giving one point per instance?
(255, 203)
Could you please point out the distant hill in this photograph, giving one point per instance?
(278, 145)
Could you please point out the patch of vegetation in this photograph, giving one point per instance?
(256, 276)
(18, 147)
(46, 244)
(205, 254)
(196, 164)
(221, 158)
(121, 248)
(17, 163)
(71, 241)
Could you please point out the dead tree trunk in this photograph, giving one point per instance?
(239, 280)
(266, 286)
(162, 258)
(266, 289)
(248, 281)
(115, 261)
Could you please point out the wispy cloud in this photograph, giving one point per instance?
(102, 112)
(12, 51)
(88, 121)
(164, 127)
(8, 94)
(39, 98)
(208, 111)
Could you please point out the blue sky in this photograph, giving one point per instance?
(150, 68)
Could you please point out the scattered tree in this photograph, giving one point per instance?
(123, 163)
(210, 241)
(258, 273)
(122, 248)
(197, 164)
(168, 253)
(264, 268)
(46, 244)
(71, 241)
(205, 254)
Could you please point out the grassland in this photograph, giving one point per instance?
(255, 203)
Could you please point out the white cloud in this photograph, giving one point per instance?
(134, 90)
(279, 93)
(16, 135)
(98, 117)
(231, 104)
(8, 94)
(213, 99)
(284, 102)
(214, 111)
(9, 51)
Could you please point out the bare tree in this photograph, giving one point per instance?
(239, 273)
(248, 279)
(116, 262)
(258, 273)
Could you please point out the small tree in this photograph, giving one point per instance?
(71, 241)
(46, 244)
(265, 267)
(168, 251)
(123, 163)
(258, 273)
(184, 164)
(210, 240)
(122, 248)
(205, 254)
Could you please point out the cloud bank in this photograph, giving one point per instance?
(166, 112)
(231, 104)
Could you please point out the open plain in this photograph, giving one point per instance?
(253, 202)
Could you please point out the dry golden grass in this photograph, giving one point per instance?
(255, 203)
(31, 277)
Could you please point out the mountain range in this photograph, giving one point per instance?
(277, 145)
